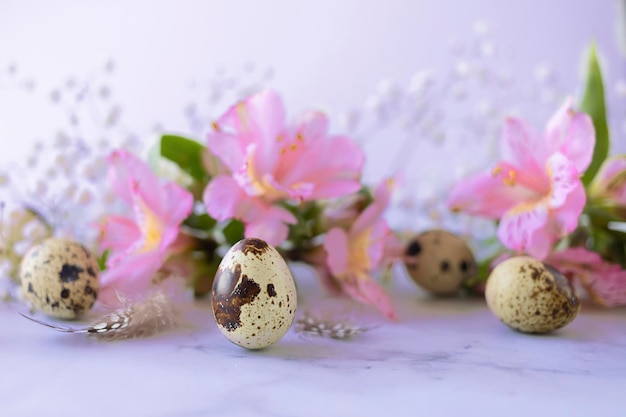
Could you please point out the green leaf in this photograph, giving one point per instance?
(202, 222)
(187, 154)
(594, 105)
(102, 260)
(233, 231)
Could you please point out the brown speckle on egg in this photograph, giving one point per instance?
(531, 296)
(439, 261)
(227, 299)
(255, 246)
(60, 278)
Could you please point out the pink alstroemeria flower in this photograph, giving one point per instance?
(605, 282)
(610, 181)
(535, 190)
(140, 245)
(369, 244)
(270, 162)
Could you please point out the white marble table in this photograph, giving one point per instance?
(444, 357)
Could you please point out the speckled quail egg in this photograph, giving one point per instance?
(439, 261)
(60, 278)
(531, 296)
(254, 296)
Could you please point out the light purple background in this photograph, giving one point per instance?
(327, 54)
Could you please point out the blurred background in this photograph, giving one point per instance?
(423, 85)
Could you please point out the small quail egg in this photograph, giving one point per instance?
(439, 261)
(531, 296)
(60, 278)
(254, 296)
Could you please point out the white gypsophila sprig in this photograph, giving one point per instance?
(64, 176)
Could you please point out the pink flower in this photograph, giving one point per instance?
(140, 245)
(610, 182)
(605, 282)
(535, 190)
(271, 162)
(369, 244)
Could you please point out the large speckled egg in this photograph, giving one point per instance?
(531, 296)
(439, 261)
(254, 296)
(60, 278)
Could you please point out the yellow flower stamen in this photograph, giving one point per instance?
(358, 257)
(151, 229)
(509, 180)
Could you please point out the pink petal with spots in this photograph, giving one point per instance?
(523, 229)
(487, 195)
(564, 179)
(333, 165)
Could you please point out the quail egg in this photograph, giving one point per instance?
(60, 278)
(531, 296)
(439, 261)
(253, 296)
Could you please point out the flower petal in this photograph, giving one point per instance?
(334, 165)
(372, 213)
(117, 232)
(572, 134)
(367, 291)
(131, 277)
(228, 148)
(521, 146)
(376, 243)
(605, 282)
(610, 182)
(127, 173)
(487, 195)
(261, 115)
(524, 229)
(336, 246)
(564, 179)
(177, 204)
(565, 218)
(222, 197)
(265, 221)
(312, 125)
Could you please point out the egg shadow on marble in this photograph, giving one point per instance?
(300, 346)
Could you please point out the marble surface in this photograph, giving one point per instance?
(443, 357)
